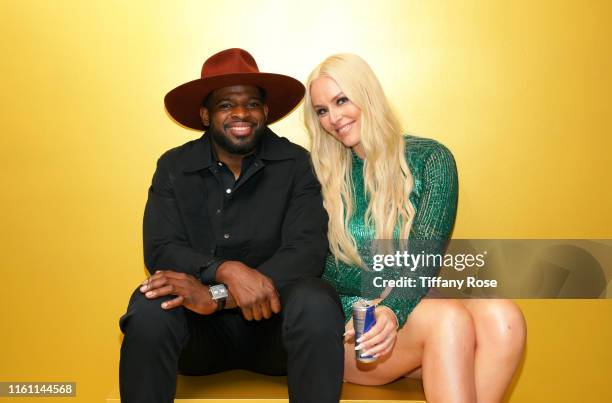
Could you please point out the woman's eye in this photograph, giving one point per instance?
(254, 104)
(342, 100)
(224, 105)
(320, 112)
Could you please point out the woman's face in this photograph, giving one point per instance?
(337, 114)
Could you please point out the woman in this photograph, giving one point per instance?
(379, 184)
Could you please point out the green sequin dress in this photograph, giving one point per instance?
(434, 197)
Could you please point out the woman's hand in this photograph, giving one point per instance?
(349, 331)
(380, 339)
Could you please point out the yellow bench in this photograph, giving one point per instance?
(247, 387)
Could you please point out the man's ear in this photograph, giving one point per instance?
(266, 109)
(205, 116)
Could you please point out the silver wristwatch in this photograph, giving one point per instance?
(218, 293)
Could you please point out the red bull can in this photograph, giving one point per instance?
(363, 320)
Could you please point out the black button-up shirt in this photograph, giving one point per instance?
(229, 184)
(272, 218)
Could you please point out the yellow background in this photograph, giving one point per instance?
(520, 92)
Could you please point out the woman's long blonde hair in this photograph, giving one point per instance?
(388, 181)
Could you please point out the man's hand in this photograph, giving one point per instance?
(253, 292)
(190, 292)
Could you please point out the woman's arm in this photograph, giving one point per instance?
(432, 225)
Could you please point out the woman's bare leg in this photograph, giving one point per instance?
(500, 340)
(439, 336)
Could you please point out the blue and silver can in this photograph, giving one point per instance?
(363, 320)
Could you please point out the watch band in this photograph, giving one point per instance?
(220, 304)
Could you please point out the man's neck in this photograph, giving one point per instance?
(233, 161)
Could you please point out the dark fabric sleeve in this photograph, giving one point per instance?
(304, 232)
(208, 274)
(164, 236)
(432, 225)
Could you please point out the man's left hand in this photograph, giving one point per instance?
(190, 292)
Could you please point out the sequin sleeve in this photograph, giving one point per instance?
(433, 222)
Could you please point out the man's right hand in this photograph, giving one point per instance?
(252, 291)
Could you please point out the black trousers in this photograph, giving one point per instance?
(304, 341)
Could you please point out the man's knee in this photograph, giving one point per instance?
(145, 318)
(312, 306)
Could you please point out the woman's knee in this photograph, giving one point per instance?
(447, 318)
(500, 322)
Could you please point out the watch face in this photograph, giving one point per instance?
(218, 291)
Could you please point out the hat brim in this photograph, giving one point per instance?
(283, 94)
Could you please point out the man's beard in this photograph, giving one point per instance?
(242, 146)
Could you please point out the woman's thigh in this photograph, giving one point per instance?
(422, 325)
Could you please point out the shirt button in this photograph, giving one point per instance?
(218, 211)
(226, 236)
(228, 191)
(220, 164)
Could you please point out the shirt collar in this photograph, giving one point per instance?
(271, 148)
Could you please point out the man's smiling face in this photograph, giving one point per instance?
(236, 117)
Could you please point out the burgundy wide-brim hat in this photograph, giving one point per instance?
(227, 68)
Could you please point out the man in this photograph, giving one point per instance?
(234, 239)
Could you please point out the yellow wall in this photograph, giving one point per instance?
(519, 92)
